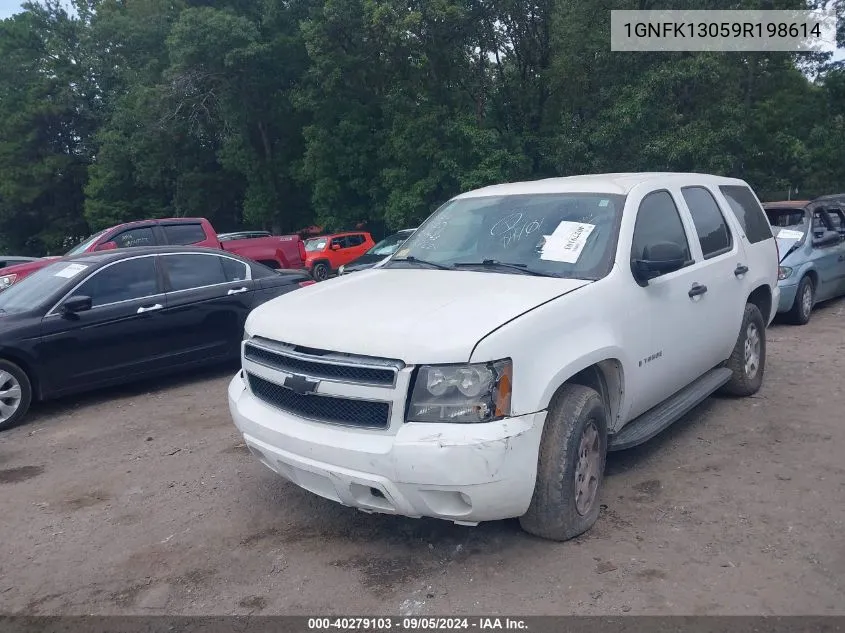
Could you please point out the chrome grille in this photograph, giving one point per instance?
(325, 365)
(322, 408)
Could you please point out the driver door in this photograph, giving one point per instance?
(119, 337)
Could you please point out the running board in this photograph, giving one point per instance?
(658, 418)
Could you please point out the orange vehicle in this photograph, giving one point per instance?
(325, 254)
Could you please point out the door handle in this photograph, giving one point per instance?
(237, 291)
(740, 269)
(143, 309)
(697, 289)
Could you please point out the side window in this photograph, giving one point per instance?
(837, 217)
(135, 237)
(747, 210)
(658, 221)
(123, 281)
(193, 271)
(340, 241)
(183, 234)
(355, 240)
(819, 223)
(713, 233)
(233, 269)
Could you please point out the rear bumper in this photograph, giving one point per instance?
(462, 473)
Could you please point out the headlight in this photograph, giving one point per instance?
(464, 394)
(6, 281)
(783, 272)
(341, 269)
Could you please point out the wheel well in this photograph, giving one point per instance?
(605, 377)
(762, 298)
(814, 277)
(322, 261)
(270, 263)
(27, 369)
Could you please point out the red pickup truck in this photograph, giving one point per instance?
(275, 251)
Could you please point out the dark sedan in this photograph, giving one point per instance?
(377, 253)
(115, 316)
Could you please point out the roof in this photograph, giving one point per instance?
(338, 234)
(104, 257)
(786, 204)
(616, 183)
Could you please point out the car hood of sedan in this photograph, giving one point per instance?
(414, 315)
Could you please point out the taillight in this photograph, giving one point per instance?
(302, 253)
(302, 284)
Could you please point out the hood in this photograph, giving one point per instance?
(788, 237)
(365, 260)
(28, 267)
(414, 315)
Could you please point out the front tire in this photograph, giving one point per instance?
(15, 394)
(748, 360)
(321, 271)
(570, 469)
(805, 299)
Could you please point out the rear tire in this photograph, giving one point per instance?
(748, 360)
(570, 468)
(15, 394)
(805, 299)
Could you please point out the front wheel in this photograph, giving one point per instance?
(15, 394)
(802, 307)
(321, 271)
(748, 360)
(570, 469)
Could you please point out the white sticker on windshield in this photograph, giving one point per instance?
(71, 270)
(604, 203)
(789, 234)
(566, 242)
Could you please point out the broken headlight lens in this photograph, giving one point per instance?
(463, 394)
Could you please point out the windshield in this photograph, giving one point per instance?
(388, 245)
(85, 244)
(39, 286)
(789, 226)
(315, 244)
(563, 235)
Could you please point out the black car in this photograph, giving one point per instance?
(385, 248)
(105, 318)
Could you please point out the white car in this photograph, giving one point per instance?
(523, 331)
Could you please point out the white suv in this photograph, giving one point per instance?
(484, 371)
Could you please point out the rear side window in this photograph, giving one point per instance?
(751, 217)
(233, 269)
(135, 237)
(193, 271)
(354, 240)
(713, 233)
(183, 234)
(658, 221)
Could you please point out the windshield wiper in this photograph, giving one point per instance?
(492, 263)
(414, 260)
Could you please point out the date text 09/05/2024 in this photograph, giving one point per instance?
(415, 624)
(722, 29)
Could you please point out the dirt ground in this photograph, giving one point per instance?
(143, 500)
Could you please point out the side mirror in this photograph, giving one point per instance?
(659, 259)
(106, 246)
(828, 238)
(335, 247)
(77, 303)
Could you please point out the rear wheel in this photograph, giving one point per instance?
(748, 360)
(570, 468)
(321, 271)
(15, 394)
(805, 299)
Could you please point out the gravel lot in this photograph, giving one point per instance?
(143, 500)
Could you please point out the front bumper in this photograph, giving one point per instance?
(463, 473)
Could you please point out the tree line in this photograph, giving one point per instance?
(280, 114)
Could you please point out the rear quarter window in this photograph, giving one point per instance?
(183, 234)
(748, 211)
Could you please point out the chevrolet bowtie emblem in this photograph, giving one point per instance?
(301, 385)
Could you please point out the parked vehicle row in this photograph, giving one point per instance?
(98, 319)
(811, 241)
(285, 251)
(519, 334)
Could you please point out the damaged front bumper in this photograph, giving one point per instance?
(464, 473)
